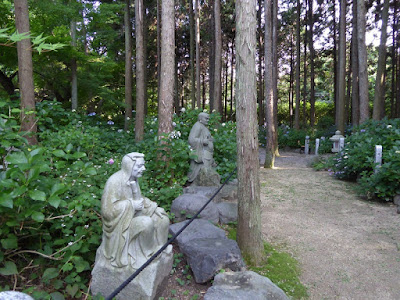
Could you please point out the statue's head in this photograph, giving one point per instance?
(203, 118)
(133, 164)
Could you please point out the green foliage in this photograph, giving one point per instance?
(356, 161)
(283, 270)
(50, 193)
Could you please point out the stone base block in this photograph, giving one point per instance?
(145, 286)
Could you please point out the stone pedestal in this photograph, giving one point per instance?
(105, 279)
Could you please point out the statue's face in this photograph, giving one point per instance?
(138, 168)
(204, 119)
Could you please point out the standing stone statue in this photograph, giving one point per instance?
(134, 228)
(202, 168)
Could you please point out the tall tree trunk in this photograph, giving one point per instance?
(25, 72)
(305, 73)
(379, 100)
(226, 88)
(394, 59)
(260, 93)
(159, 21)
(140, 71)
(291, 82)
(218, 54)
(269, 90)
(275, 72)
(192, 54)
(211, 56)
(197, 21)
(249, 211)
(167, 84)
(355, 101)
(312, 66)
(335, 62)
(362, 62)
(128, 66)
(341, 69)
(74, 69)
(232, 78)
(297, 108)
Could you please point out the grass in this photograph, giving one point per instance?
(280, 267)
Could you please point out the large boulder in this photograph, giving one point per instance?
(13, 295)
(144, 287)
(207, 177)
(198, 229)
(187, 205)
(228, 212)
(243, 285)
(207, 191)
(207, 256)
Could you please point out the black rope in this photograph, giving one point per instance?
(126, 282)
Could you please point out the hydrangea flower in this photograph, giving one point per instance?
(110, 161)
(110, 122)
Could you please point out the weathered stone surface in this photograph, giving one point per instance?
(396, 201)
(207, 177)
(228, 212)
(207, 191)
(229, 193)
(243, 285)
(207, 256)
(144, 287)
(189, 204)
(199, 229)
(12, 295)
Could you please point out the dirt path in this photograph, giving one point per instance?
(347, 248)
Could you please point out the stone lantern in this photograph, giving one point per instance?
(336, 141)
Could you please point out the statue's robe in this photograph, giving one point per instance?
(130, 236)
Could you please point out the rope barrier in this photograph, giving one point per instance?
(126, 282)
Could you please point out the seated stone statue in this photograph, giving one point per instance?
(202, 167)
(134, 227)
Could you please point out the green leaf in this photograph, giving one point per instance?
(10, 243)
(54, 201)
(78, 155)
(17, 158)
(36, 152)
(59, 153)
(57, 296)
(49, 273)
(38, 216)
(6, 201)
(16, 37)
(9, 269)
(7, 183)
(91, 171)
(57, 189)
(72, 289)
(37, 195)
(69, 147)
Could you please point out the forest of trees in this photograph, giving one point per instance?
(315, 51)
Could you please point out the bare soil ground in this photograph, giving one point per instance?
(348, 248)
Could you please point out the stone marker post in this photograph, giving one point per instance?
(341, 144)
(307, 145)
(378, 157)
(316, 146)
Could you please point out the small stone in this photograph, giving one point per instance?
(12, 295)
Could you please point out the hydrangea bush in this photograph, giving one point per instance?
(356, 160)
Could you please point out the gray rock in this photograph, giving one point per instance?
(229, 193)
(144, 287)
(243, 285)
(12, 295)
(207, 176)
(198, 229)
(187, 205)
(228, 212)
(208, 256)
(207, 191)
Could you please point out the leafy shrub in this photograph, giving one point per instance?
(356, 161)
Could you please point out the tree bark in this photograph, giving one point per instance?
(269, 91)
(341, 69)
(260, 94)
(275, 73)
(217, 56)
(335, 62)
(197, 21)
(74, 69)
(128, 66)
(140, 71)
(297, 108)
(379, 99)
(312, 65)
(192, 54)
(305, 72)
(249, 210)
(362, 62)
(166, 102)
(25, 73)
(211, 56)
(355, 102)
